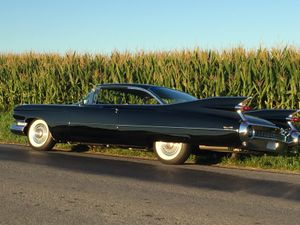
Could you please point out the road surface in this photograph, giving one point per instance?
(75, 188)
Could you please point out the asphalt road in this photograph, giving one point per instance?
(74, 188)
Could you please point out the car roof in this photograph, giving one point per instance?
(123, 85)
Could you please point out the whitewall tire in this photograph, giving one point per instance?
(39, 135)
(171, 152)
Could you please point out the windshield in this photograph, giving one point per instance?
(170, 96)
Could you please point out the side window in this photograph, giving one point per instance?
(123, 96)
(107, 96)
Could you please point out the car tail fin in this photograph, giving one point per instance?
(243, 106)
(224, 103)
(293, 118)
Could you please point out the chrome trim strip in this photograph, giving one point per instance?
(87, 124)
(148, 92)
(291, 125)
(172, 127)
(128, 125)
(239, 112)
(267, 138)
(188, 128)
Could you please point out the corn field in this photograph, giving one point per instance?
(271, 77)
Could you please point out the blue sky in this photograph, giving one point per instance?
(103, 26)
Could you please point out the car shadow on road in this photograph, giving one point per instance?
(209, 157)
(80, 148)
(151, 171)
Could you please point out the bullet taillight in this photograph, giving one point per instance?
(295, 119)
(245, 108)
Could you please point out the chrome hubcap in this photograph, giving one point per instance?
(168, 150)
(38, 134)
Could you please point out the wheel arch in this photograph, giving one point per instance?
(29, 121)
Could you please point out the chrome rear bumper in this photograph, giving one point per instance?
(266, 138)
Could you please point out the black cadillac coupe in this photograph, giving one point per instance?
(146, 115)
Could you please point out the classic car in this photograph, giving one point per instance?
(170, 121)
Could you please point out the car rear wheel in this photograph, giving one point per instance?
(172, 152)
(39, 135)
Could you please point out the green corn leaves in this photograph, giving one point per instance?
(271, 77)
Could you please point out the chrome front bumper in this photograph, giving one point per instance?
(18, 128)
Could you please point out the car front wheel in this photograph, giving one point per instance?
(172, 152)
(39, 136)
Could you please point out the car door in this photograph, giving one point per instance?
(134, 117)
(135, 122)
(93, 123)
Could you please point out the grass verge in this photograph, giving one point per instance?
(6, 136)
(288, 163)
(282, 163)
